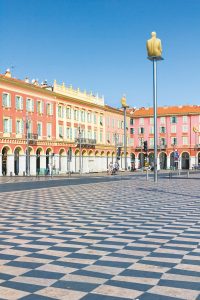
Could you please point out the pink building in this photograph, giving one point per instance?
(178, 134)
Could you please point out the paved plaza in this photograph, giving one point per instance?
(100, 238)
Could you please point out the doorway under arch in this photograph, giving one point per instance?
(141, 158)
(48, 155)
(185, 160)
(132, 161)
(4, 160)
(77, 159)
(38, 153)
(163, 161)
(62, 156)
(16, 160)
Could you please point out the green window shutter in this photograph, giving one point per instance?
(10, 125)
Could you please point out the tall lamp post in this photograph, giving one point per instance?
(124, 106)
(27, 147)
(154, 49)
(196, 131)
(116, 141)
(79, 139)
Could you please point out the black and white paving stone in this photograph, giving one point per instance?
(106, 238)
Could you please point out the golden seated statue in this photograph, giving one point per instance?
(154, 47)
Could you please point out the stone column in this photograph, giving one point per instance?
(22, 164)
(0, 164)
(158, 162)
(63, 164)
(128, 163)
(72, 164)
(136, 162)
(32, 164)
(10, 164)
(168, 162)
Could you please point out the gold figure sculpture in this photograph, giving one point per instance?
(154, 46)
(195, 129)
(123, 101)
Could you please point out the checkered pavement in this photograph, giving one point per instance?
(127, 239)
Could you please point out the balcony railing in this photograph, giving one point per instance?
(119, 144)
(162, 147)
(150, 147)
(159, 147)
(33, 136)
(85, 142)
(138, 148)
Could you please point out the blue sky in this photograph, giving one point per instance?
(100, 45)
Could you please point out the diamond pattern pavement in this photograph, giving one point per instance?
(116, 240)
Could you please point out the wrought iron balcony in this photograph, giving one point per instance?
(85, 143)
(33, 136)
(163, 147)
(138, 148)
(120, 144)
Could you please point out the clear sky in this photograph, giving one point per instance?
(100, 45)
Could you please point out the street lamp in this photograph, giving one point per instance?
(79, 139)
(116, 142)
(141, 139)
(154, 49)
(196, 131)
(124, 106)
(27, 147)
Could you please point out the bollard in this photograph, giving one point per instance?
(23, 173)
(147, 175)
(188, 174)
(179, 172)
(11, 174)
(170, 175)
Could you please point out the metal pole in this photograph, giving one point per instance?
(196, 141)
(80, 171)
(125, 140)
(155, 117)
(115, 135)
(27, 151)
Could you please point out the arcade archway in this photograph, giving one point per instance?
(16, 160)
(141, 160)
(185, 160)
(5, 151)
(163, 161)
(38, 154)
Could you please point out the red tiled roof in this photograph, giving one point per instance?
(167, 110)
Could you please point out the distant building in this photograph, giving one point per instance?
(178, 136)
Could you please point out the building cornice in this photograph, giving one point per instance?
(31, 87)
